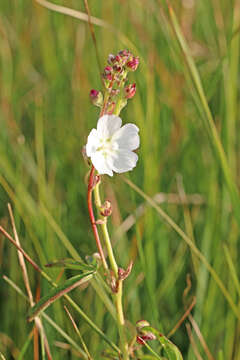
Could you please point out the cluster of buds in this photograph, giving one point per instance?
(143, 333)
(114, 79)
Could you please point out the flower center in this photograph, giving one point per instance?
(106, 147)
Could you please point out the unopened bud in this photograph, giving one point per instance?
(106, 208)
(141, 339)
(144, 332)
(124, 55)
(130, 91)
(117, 68)
(117, 59)
(108, 73)
(111, 58)
(141, 324)
(133, 63)
(96, 97)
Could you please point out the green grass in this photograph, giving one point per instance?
(187, 108)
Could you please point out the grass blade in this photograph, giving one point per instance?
(208, 118)
(58, 292)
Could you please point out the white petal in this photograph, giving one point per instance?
(107, 125)
(92, 142)
(123, 160)
(101, 164)
(127, 137)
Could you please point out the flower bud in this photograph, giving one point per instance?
(141, 324)
(111, 58)
(117, 68)
(124, 55)
(106, 208)
(108, 73)
(132, 64)
(141, 339)
(130, 91)
(117, 59)
(96, 97)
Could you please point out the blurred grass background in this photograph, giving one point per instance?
(48, 66)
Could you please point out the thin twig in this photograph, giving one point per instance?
(93, 38)
(200, 337)
(78, 332)
(186, 314)
(192, 341)
(27, 257)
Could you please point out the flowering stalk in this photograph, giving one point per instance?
(110, 148)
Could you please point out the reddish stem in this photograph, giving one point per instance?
(92, 218)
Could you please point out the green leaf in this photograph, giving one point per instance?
(170, 350)
(73, 264)
(58, 292)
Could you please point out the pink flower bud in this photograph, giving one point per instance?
(133, 63)
(124, 55)
(130, 91)
(108, 73)
(117, 59)
(96, 97)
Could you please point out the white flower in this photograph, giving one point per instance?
(111, 146)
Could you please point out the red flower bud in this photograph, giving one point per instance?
(96, 97)
(133, 63)
(130, 91)
(108, 73)
(117, 59)
(117, 68)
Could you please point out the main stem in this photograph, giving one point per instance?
(92, 218)
(117, 297)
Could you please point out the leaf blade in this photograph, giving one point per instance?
(58, 292)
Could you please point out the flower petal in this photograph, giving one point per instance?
(92, 142)
(101, 164)
(107, 125)
(127, 137)
(123, 160)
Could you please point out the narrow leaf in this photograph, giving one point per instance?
(58, 292)
(73, 264)
(171, 350)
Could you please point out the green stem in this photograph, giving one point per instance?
(117, 297)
